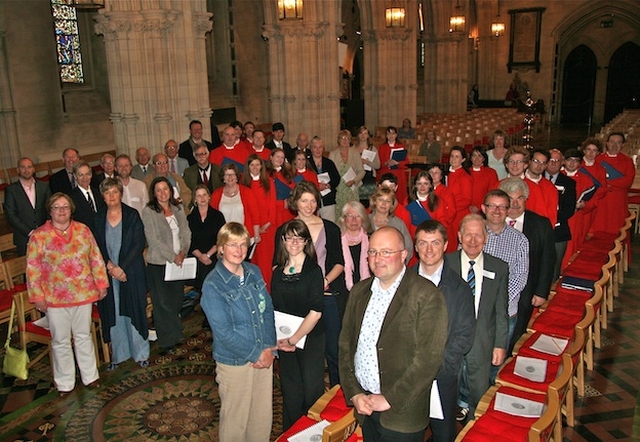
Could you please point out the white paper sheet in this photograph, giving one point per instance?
(286, 326)
(517, 406)
(187, 271)
(368, 155)
(549, 345)
(324, 178)
(310, 434)
(350, 175)
(435, 405)
(531, 368)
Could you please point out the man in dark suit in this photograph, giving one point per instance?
(195, 139)
(202, 172)
(278, 138)
(87, 199)
(391, 344)
(64, 180)
(542, 252)
(431, 243)
(488, 278)
(108, 164)
(566, 205)
(24, 204)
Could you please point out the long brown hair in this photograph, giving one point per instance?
(433, 201)
(246, 179)
(286, 170)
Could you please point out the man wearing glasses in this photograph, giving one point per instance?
(202, 172)
(508, 244)
(181, 191)
(392, 343)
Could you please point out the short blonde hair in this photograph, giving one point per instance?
(231, 231)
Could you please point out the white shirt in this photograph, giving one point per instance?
(478, 269)
(436, 277)
(519, 225)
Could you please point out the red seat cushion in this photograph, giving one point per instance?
(507, 374)
(556, 323)
(32, 328)
(6, 298)
(336, 408)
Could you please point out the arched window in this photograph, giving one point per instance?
(65, 21)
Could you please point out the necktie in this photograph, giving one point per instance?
(173, 166)
(471, 278)
(144, 170)
(73, 181)
(205, 178)
(91, 203)
(512, 223)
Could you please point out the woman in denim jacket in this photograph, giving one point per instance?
(240, 312)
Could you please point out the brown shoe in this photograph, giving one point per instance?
(94, 384)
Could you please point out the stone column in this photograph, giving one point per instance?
(304, 78)
(446, 73)
(8, 126)
(157, 71)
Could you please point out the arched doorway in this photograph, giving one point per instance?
(623, 83)
(578, 86)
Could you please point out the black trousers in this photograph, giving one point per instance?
(372, 431)
(166, 297)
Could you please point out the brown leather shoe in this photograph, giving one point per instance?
(94, 384)
(64, 393)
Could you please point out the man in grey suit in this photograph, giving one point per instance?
(488, 278)
(391, 345)
(177, 165)
(140, 170)
(24, 204)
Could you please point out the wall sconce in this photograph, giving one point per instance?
(394, 16)
(457, 20)
(497, 27)
(290, 9)
(88, 4)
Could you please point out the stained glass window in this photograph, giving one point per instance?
(67, 41)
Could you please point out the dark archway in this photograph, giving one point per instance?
(578, 86)
(623, 82)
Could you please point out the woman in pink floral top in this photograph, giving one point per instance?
(65, 276)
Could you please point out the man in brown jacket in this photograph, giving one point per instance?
(392, 344)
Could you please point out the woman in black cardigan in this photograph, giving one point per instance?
(297, 289)
(119, 233)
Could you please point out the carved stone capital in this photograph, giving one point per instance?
(289, 98)
(314, 98)
(116, 25)
(155, 22)
(390, 34)
(115, 117)
(295, 29)
(202, 23)
(162, 117)
(130, 119)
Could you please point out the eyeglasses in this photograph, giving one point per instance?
(384, 253)
(352, 216)
(501, 208)
(232, 245)
(537, 161)
(295, 239)
(555, 160)
(161, 163)
(202, 154)
(61, 208)
(516, 162)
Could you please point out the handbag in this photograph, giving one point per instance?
(16, 361)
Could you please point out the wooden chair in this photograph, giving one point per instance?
(6, 296)
(6, 244)
(29, 331)
(16, 270)
(102, 349)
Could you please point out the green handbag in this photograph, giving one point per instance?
(16, 362)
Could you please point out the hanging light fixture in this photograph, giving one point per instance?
(88, 4)
(497, 27)
(394, 15)
(457, 20)
(290, 9)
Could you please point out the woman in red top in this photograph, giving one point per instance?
(236, 202)
(282, 176)
(256, 179)
(460, 184)
(484, 178)
(304, 171)
(436, 172)
(388, 164)
(591, 148)
(424, 194)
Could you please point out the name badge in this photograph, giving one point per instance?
(488, 274)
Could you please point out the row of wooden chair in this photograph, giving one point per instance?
(574, 315)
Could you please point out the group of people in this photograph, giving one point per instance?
(329, 239)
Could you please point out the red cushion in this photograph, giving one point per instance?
(635, 199)
(336, 408)
(20, 288)
(32, 328)
(6, 298)
(299, 425)
(556, 324)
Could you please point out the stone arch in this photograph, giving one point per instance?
(583, 27)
